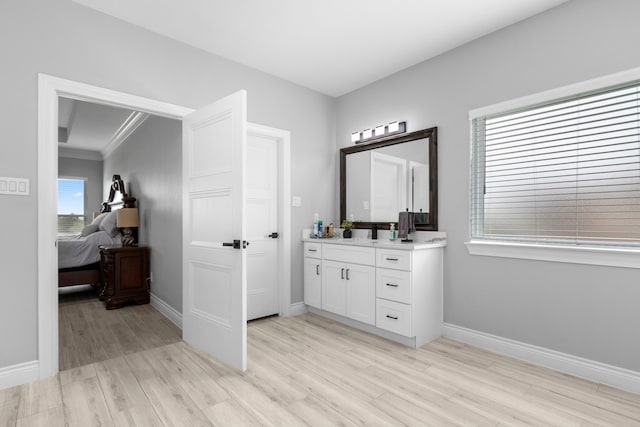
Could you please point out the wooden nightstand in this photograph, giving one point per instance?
(125, 275)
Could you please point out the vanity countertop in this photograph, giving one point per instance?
(383, 243)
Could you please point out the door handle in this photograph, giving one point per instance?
(347, 274)
(342, 273)
(236, 244)
(273, 235)
(317, 270)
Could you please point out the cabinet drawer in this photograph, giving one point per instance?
(393, 317)
(313, 250)
(393, 258)
(349, 254)
(394, 285)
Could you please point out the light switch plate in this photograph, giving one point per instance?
(296, 201)
(14, 186)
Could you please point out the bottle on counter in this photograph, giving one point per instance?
(392, 232)
(314, 231)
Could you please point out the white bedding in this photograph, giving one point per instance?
(76, 251)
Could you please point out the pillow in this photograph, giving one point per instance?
(109, 224)
(97, 220)
(89, 229)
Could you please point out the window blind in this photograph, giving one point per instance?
(566, 171)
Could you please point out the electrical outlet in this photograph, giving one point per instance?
(296, 201)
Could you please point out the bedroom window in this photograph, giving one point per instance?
(71, 197)
(563, 172)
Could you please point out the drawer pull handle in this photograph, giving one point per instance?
(392, 259)
(312, 250)
(393, 285)
(392, 317)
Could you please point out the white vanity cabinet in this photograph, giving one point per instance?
(409, 293)
(348, 282)
(391, 290)
(313, 274)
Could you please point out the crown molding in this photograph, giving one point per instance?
(129, 126)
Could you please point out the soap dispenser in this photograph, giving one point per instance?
(392, 232)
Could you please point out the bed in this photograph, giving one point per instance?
(79, 255)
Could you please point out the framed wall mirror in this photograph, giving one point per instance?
(380, 179)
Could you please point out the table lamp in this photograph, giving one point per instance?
(127, 218)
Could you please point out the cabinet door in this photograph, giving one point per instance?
(313, 282)
(333, 287)
(360, 283)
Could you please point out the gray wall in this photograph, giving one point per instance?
(583, 310)
(90, 169)
(150, 163)
(64, 39)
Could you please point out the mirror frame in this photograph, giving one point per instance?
(432, 134)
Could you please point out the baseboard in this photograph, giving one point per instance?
(167, 311)
(19, 374)
(584, 368)
(297, 308)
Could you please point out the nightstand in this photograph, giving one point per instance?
(125, 275)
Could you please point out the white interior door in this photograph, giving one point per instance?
(262, 222)
(214, 214)
(388, 187)
(419, 186)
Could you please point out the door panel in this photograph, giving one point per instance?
(262, 215)
(333, 283)
(214, 212)
(361, 293)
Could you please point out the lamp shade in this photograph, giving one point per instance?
(127, 217)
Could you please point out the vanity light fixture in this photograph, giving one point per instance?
(378, 132)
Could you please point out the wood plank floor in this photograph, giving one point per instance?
(307, 370)
(90, 333)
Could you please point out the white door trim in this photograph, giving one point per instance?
(49, 89)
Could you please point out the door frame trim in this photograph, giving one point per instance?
(49, 89)
(283, 139)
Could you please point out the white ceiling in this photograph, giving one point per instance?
(331, 46)
(94, 128)
(89, 126)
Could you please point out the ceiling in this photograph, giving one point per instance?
(93, 127)
(331, 46)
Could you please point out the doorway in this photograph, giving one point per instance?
(49, 90)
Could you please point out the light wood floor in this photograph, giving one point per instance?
(90, 333)
(307, 370)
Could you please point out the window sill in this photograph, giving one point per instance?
(613, 257)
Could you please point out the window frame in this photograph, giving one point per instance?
(615, 256)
